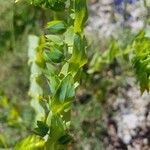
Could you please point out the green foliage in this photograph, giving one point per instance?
(100, 60)
(55, 5)
(55, 27)
(31, 143)
(141, 60)
(81, 15)
(42, 129)
(57, 58)
(78, 58)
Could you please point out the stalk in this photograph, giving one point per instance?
(59, 56)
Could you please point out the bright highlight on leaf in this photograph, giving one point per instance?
(56, 60)
(33, 142)
(56, 27)
(141, 60)
(17, 1)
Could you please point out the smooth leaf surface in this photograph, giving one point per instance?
(81, 15)
(56, 27)
(79, 57)
(31, 143)
(42, 128)
(65, 90)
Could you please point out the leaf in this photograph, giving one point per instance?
(53, 83)
(56, 27)
(141, 60)
(65, 139)
(3, 141)
(65, 90)
(39, 52)
(42, 128)
(37, 2)
(33, 142)
(40, 60)
(113, 51)
(81, 15)
(55, 39)
(69, 36)
(78, 58)
(50, 70)
(64, 70)
(57, 5)
(54, 55)
(57, 127)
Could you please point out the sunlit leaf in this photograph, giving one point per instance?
(81, 15)
(141, 60)
(79, 57)
(31, 143)
(65, 90)
(54, 55)
(56, 27)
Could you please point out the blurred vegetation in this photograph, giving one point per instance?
(103, 77)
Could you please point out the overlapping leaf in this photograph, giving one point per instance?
(31, 143)
(141, 60)
(81, 15)
(56, 27)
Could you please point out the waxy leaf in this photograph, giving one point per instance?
(65, 139)
(33, 142)
(81, 15)
(54, 55)
(141, 60)
(56, 39)
(42, 128)
(56, 27)
(69, 35)
(57, 127)
(79, 57)
(53, 83)
(57, 5)
(65, 90)
(37, 2)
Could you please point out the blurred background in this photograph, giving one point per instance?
(109, 112)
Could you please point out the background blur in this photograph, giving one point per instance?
(109, 111)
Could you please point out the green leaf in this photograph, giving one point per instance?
(141, 60)
(57, 5)
(54, 55)
(65, 139)
(69, 36)
(3, 141)
(113, 51)
(37, 2)
(42, 128)
(57, 127)
(56, 27)
(50, 70)
(81, 15)
(40, 60)
(65, 90)
(33, 142)
(79, 57)
(53, 83)
(55, 39)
